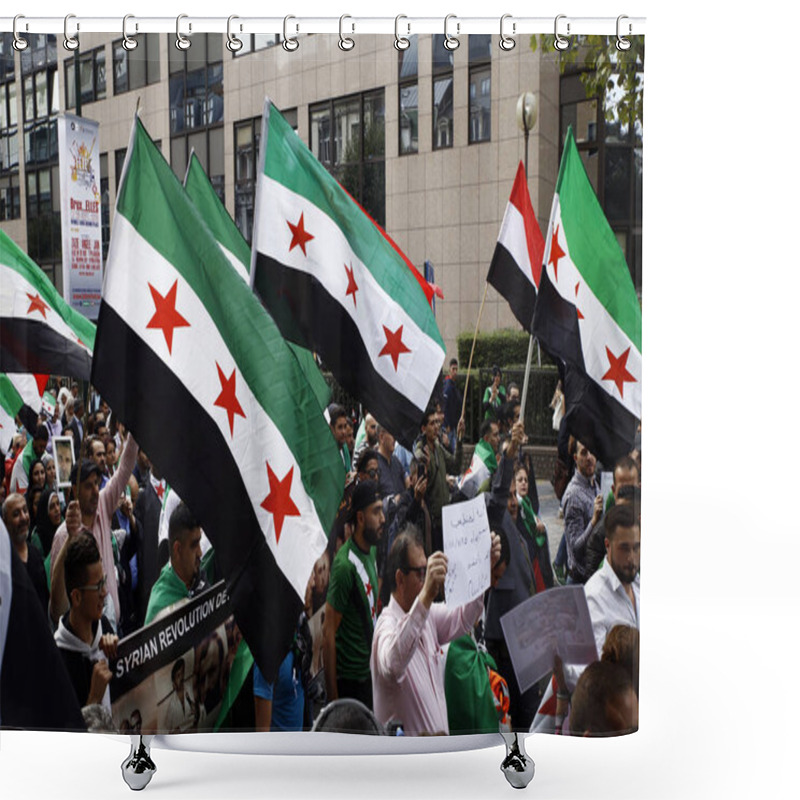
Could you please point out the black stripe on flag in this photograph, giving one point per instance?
(181, 438)
(555, 325)
(309, 316)
(31, 346)
(506, 275)
(596, 419)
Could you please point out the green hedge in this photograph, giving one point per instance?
(506, 348)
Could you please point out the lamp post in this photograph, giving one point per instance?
(526, 118)
(527, 112)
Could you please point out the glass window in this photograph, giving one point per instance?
(443, 113)
(442, 57)
(135, 68)
(480, 104)
(246, 136)
(408, 60)
(480, 47)
(409, 118)
(321, 134)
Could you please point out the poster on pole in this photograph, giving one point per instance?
(81, 225)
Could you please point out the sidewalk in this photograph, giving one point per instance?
(548, 511)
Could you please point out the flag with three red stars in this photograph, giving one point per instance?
(337, 284)
(198, 372)
(588, 315)
(39, 331)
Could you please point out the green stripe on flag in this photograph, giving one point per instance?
(170, 224)
(10, 398)
(14, 258)
(224, 230)
(289, 162)
(593, 247)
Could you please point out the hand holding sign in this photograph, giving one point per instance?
(468, 546)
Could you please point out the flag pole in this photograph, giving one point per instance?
(527, 378)
(472, 351)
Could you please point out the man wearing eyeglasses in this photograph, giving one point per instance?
(407, 660)
(84, 636)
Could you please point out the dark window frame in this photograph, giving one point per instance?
(442, 71)
(404, 83)
(69, 81)
(478, 64)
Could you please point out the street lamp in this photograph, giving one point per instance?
(527, 112)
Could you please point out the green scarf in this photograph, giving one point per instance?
(530, 519)
(484, 451)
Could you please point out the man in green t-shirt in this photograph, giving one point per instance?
(352, 603)
(181, 576)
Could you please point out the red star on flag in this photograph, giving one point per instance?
(166, 317)
(555, 251)
(160, 490)
(37, 304)
(279, 501)
(394, 345)
(368, 587)
(227, 397)
(617, 370)
(352, 286)
(577, 285)
(299, 235)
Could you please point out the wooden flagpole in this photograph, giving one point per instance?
(472, 351)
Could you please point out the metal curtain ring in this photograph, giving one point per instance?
(70, 42)
(181, 42)
(623, 43)
(451, 42)
(290, 44)
(346, 42)
(19, 43)
(560, 43)
(234, 43)
(401, 42)
(507, 42)
(128, 42)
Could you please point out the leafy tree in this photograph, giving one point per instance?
(607, 71)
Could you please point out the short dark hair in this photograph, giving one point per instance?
(622, 647)
(633, 494)
(82, 552)
(367, 455)
(409, 536)
(41, 433)
(486, 426)
(430, 411)
(179, 664)
(620, 516)
(181, 522)
(598, 686)
(626, 463)
(335, 412)
(453, 361)
(347, 715)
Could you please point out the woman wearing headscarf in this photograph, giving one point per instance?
(529, 522)
(48, 518)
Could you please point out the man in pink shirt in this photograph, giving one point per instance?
(91, 510)
(407, 661)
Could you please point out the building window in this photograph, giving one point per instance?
(251, 42)
(138, 67)
(42, 51)
(408, 91)
(480, 88)
(92, 77)
(9, 150)
(611, 150)
(44, 217)
(105, 210)
(348, 136)
(196, 108)
(246, 138)
(442, 94)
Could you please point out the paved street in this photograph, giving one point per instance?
(548, 511)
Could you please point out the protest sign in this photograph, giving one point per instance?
(555, 621)
(467, 545)
(171, 675)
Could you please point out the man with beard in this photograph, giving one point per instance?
(612, 593)
(17, 520)
(352, 602)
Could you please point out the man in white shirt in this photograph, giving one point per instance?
(612, 593)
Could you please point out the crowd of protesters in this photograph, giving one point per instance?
(394, 657)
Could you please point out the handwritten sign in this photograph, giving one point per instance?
(555, 621)
(468, 546)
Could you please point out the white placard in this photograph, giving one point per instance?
(468, 547)
(606, 482)
(81, 222)
(555, 621)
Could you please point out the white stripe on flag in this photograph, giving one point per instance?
(328, 253)
(238, 266)
(196, 351)
(14, 302)
(474, 477)
(512, 237)
(27, 388)
(598, 328)
(7, 429)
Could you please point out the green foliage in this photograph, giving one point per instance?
(506, 348)
(608, 72)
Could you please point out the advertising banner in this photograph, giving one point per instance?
(81, 226)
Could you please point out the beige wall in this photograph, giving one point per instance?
(445, 206)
